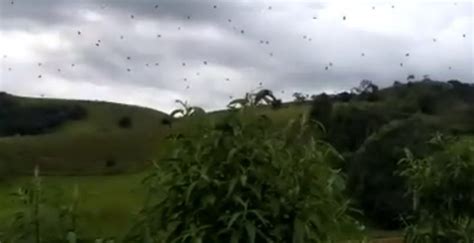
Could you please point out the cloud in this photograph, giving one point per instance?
(152, 52)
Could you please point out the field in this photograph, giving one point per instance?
(107, 203)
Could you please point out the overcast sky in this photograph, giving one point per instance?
(151, 52)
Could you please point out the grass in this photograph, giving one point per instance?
(107, 204)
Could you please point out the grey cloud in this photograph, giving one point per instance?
(288, 62)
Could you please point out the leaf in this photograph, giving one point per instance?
(177, 112)
(235, 237)
(234, 217)
(232, 185)
(197, 111)
(251, 231)
(189, 191)
(298, 231)
(259, 216)
(236, 102)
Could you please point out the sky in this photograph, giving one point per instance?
(152, 52)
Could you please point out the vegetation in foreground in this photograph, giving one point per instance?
(372, 140)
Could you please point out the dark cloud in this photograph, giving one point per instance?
(285, 45)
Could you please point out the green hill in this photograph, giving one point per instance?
(108, 138)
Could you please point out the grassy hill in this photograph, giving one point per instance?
(94, 144)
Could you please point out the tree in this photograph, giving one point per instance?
(344, 96)
(410, 77)
(299, 97)
(426, 77)
(365, 86)
(366, 91)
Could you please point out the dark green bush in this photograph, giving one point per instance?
(125, 122)
(372, 180)
(321, 109)
(442, 188)
(349, 126)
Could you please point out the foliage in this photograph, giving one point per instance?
(350, 126)
(16, 119)
(366, 91)
(300, 97)
(344, 97)
(125, 122)
(44, 215)
(427, 104)
(186, 110)
(26, 224)
(321, 109)
(262, 97)
(243, 181)
(442, 186)
(372, 181)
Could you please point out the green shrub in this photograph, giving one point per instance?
(372, 180)
(242, 181)
(125, 122)
(442, 188)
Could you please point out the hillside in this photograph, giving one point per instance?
(370, 127)
(108, 138)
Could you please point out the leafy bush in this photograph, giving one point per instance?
(350, 126)
(372, 180)
(321, 109)
(125, 122)
(240, 181)
(442, 185)
(427, 104)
